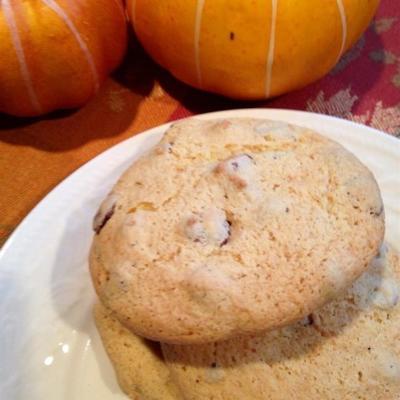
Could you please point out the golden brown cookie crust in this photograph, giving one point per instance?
(233, 227)
(349, 349)
(138, 363)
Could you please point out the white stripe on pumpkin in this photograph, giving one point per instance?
(85, 50)
(271, 48)
(19, 51)
(343, 21)
(197, 32)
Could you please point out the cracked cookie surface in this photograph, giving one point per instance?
(349, 349)
(233, 227)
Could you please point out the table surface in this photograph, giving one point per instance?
(36, 154)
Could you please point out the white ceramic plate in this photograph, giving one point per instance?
(49, 348)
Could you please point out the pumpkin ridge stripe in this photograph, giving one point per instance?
(343, 21)
(197, 32)
(271, 49)
(19, 51)
(88, 55)
(133, 12)
(119, 5)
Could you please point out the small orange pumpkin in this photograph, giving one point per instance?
(56, 53)
(249, 49)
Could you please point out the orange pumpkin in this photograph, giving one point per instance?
(55, 53)
(249, 49)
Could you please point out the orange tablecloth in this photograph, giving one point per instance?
(36, 154)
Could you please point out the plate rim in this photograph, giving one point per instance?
(117, 157)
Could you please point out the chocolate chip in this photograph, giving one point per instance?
(232, 36)
(99, 224)
(209, 227)
(287, 209)
(376, 213)
(226, 240)
(214, 365)
(309, 320)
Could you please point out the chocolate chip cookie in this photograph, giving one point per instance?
(232, 227)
